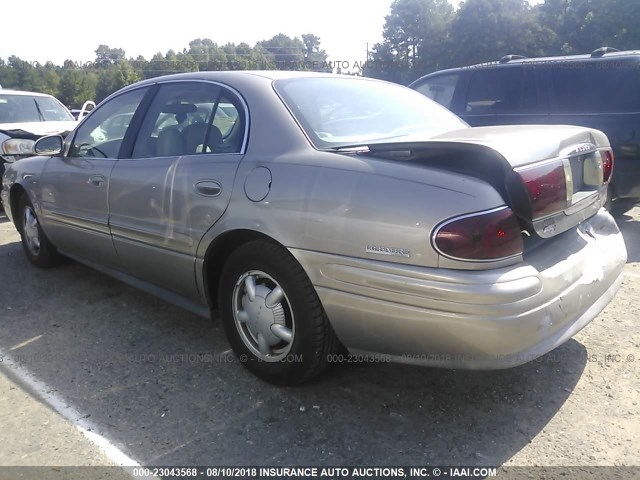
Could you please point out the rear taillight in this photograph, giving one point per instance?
(607, 164)
(547, 188)
(484, 236)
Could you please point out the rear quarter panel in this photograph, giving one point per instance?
(334, 203)
(338, 204)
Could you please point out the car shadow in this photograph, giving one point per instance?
(630, 228)
(161, 384)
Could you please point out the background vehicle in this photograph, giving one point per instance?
(80, 113)
(25, 117)
(598, 91)
(331, 209)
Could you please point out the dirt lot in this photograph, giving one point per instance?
(156, 381)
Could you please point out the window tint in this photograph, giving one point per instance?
(495, 91)
(440, 88)
(597, 87)
(530, 101)
(102, 133)
(190, 118)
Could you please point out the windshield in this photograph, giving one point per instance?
(345, 111)
(31, 108)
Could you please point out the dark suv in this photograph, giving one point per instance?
(601, 91)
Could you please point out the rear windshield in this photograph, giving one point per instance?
(31, 108)
(597, 87)
(344, 111)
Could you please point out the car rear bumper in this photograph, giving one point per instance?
(472, 319)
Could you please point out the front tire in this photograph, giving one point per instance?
(272, 315)
(39, 250)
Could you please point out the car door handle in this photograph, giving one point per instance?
(97, 180)
(208, 188)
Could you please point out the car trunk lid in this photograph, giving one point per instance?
(552, 177)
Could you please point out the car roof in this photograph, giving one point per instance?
(596, 55)
(226, 75)
(569, 58)
(22, 92)
(238, 78)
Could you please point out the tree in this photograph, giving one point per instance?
(485, 30)
(383, 63)
(415, 36)
(108, 56)
(9, 74)
(50, 79)
(315, 58)
(76, 87)
(584, 25)
(287, 53)
(114, 79)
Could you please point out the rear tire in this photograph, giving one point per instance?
(272, 315)
(39, 250)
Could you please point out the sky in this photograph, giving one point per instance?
(45, 30)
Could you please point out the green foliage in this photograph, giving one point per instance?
(116, 78)
(415, 32)
(419, 36)
(584, 25)
(422, 36)
(106, 56)
(496, 28)
(285, 53)
(77, 86)
(74, 83)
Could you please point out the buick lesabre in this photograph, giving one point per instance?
(321, 214)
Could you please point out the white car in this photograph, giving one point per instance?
(25, 117)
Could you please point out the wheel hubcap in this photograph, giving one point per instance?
(263, 316)
(31, 233)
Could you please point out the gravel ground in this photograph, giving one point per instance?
(161, 385)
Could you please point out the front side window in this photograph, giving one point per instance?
(101, 135)
(440, 88)
(190, 118)
(32, 108)
(343, 111)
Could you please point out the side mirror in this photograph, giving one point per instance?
(52, 145)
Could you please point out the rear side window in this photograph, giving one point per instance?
(191, 118)
(440, 89)
(498, 91)
(345, 111)
(596, 87)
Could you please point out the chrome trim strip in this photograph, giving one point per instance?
(568, 181)
(77, 222)
(579, 149)
(150, 237)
